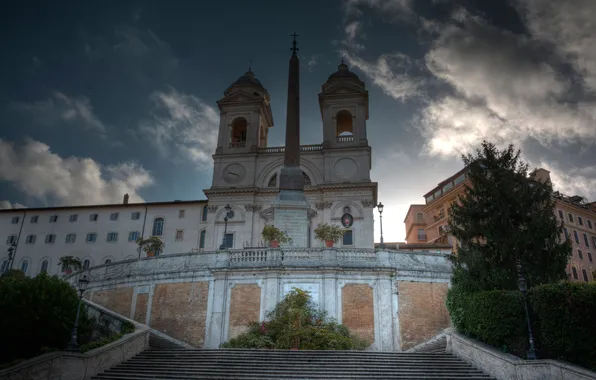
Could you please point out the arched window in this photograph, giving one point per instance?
(273, 181)
(24, 266)
(86, 264)
(347, 210)
(238, 137)
(108, 261)
(202, 239)
(343, 121)
(306, 179)
(157, 227)
(204, 215)
(44, 266)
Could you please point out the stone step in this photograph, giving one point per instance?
(310, 376)
(336, 367)
(139, 363)
(157, 354)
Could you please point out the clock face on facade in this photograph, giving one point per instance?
(234, 173)
(347, 220)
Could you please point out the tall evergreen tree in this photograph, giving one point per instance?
(503, 216)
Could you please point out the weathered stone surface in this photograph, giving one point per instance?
(141, 307)
(245, 306)
(357, 310)
(422, 312)
(180, 309)
(118, 300)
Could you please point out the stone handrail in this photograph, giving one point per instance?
(282, 149)
(405, 264)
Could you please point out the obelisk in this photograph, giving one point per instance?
(291, 206)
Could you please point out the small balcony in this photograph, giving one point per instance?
(238, 144)
(344, 139)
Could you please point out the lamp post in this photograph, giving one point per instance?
(11, 250)
(522, 284)
(73, 346)
(380, 208)
(223, 241)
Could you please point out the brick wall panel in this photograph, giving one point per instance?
(422, 312)
(357, 310)
(118, 300)
(245, 307)
(141, 308)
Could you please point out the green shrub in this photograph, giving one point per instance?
(296, 322)
(561, 314)
(494, 317)
(38, 312)
(564, 318)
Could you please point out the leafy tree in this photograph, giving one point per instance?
(151, 244)
(37, 315)
(503, 216)
(70, 263)
(296, 322)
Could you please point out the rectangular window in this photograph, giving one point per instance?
(580, 220)
(114, 216)
(202, 239)
(580, 255)
(561, 215)
(73, 218)
(419, 217)
(570, 217)
(460, 179)
(566, 232)
(34, 219)
(181, 213)
(133, 236)
(229, 240)
(348, 238)
(421, 234)
(15, 219)
(574, 273)
(112, 236)
(589, 223)
(589, 256)
(30, 239)
(586, 240)
(53, 218)
(576, 236)
(594, 241)
(11, 239)
(585, 274)
(179, 234)
(91, 237)
(135, 216)
(70, 238)
(93, 217)
(50, 238)
(448, 187)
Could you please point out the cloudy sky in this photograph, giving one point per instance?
(106, 97)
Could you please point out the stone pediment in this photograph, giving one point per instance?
(343, 90)
(240, 97)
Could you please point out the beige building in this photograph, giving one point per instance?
(427, 223)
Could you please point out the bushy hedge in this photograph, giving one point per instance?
(562, 320)
(37, 315)
(296, 322)
(563, 316)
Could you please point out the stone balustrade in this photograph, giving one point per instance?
(405, 264)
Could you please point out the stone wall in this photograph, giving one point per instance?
(357, 309)
(245, 307)
(141, 308)
(422, 312)
(180, 309)
(118, 300)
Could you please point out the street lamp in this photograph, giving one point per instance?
(73, 346)
(11, 250)
(380, 208)
(228, 212)
(522, 284)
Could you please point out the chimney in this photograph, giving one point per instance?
(125, 199)
(541, 175)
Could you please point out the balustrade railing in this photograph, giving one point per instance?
(238, 144)
(341, 139)
(282, 149)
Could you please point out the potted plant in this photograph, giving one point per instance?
(329, 233)
(70, 263)
(274, 236)
(153, 245)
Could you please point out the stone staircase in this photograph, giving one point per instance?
(180, 364)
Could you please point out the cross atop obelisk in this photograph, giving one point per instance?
(291, 176)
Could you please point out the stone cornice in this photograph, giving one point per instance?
(256, 191)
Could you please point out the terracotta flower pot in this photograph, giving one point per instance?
(150, 254)
(68, 271)
(274, 244)
(329, 243)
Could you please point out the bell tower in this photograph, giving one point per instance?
(245, 116)
(343, 102)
